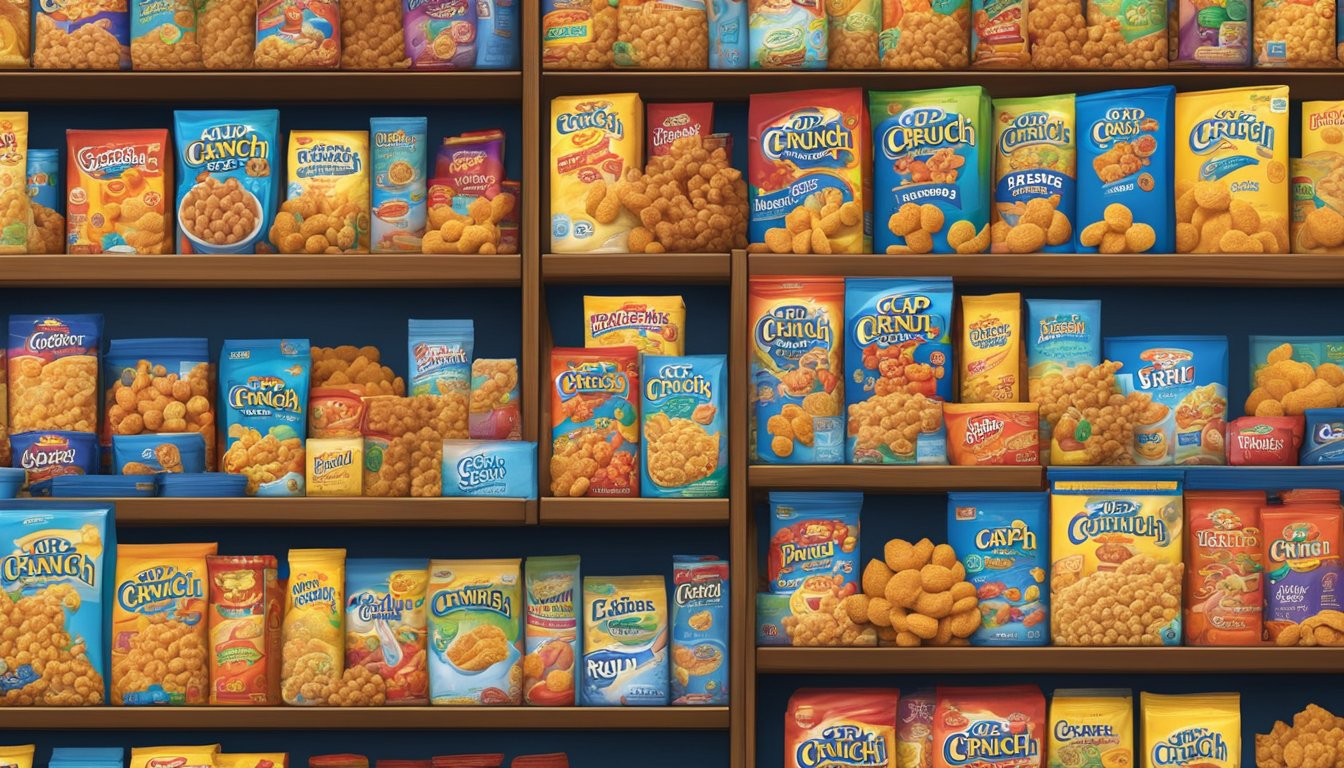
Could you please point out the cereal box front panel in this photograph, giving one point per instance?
(1002, 727)
(991, 348)
(1302, 567)
(397, 146)
(1232, 171)
(1224, 580)
(440, 34)
(328, 194)
(685, 424)
(932, 170)
(1091, 728)
(551, 629)
(385, 625)
(594, 140)
(1199, 729)
(595, 421)
(117, 191)
(1188, 378)
(797, 380)
(227, 165)
(852, 727)
(264, 385)
(787, 34)
(244, 630)
(14, 201)
(625, 641)
(700, 633)
(1061, 335)
(1002, 539)
(50, 354)
(1035, 167)
(476, 639)
(652, 324)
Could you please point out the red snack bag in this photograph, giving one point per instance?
(1267, 441)
(669, 122)
(1224, 567)
(595, 421)
(243, 623)
(857, 722)
(1002, 727)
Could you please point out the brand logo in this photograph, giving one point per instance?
(1230, 125)
(221, 144)
(807, 135)
(1035, 128)
(595, 114)
(678, 379)
(921, 127)
(475, 597)
(1117, 516)
(159, 586)
(49, 559)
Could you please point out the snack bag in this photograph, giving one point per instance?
(727, 33)
(298, 35)
(264, 385)
(47, 232)
(551, 630)
(797, 379)
(914, 730)
(440, 355)
(313, 654)
(684, 427)
(226, 30)
(495, 407)
(1318, 196)
(163, 36)
(699, 631)
(1000, 38)
(787, 34)
(1224, 587)
(47, 454)
(497, 33)
(1232, 157)
(662, 34)
(1187, 378)
(595, 421)
(470, 166)
(1006, 434)
(594, 139)
(1212, 34)
(71, 35)
(668, 122)
(397, 146)
(624, 641)
(1282, 357)
(440, 34)
(807, 156)
(1271, 441)
(932, 170)
(334, 466)
(1294, 34)
(161, 606)
(17, 757)
(244, 630)
(578, 34)
(186, 757)
(118, 183)
(326, 207)
(1191, 729)
(1035, 167)
(915, 37)
(1091, 727)
(991, 346)
(385, 626)
(476, 641)
(371, 32)
(468, 206)
(852, 27)
(17, 216)
(252, 760)
(853, 721)
(14, 20)
(1002, 539)
(1124, 171)
(138, 373)
(506, 468)
(814, 543)
(1302, 565)
(652, 324)
(226, 163)
(1062, 336)
(1002, 727)
(49, 354)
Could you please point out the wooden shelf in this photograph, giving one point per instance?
(270, 88)
(636, 267)
(269, 271)
(1208, 269)
(365, 718)
(979, 661)
(894, 479)
(634, 512)
(321, 511)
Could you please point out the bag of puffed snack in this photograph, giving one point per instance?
(1266, 441)
(440, 355)
(17, 757)
(1302, 572)
(1186, 378)
(313, 654)
(1006, 434)
(1318, 195)
(163, 35)
(1091, 727)
(551, 630)
(298, 34)
(1035, 165)
(852, 28)
(1211, 33)
(500, 468)
(14, 48)
(371, 35)
(914, 730)
(1194, 729)
(385, 622)
(684, 426)
(595, 397)
(578, 34)
(652, 324)
(475, 632)
(226, 30)
(263, 387)
(182, 757)
(46, 191)
(228, 181)
(999, 35)
(497, 34)
(440, 34)
(787, 34)
(998, 727)
(69, 34)
(1063, 339)
(326, 207)
(51, 354)
(397, 145)
(244, 630)
(160, 386)
(991, 348)
(47, 454)
(662, 34)
(923, 37)
(594, 140)
(625, 641)
(118, 184)
(668, 122)
(467, 202)
(1126, 34)
(820, 722)
(1224, 577)
(1292, 33)
(16, 216)
(727, 34)
(495, 411)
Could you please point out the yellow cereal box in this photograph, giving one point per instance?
(594, 139)
(651, 324)
(1091, 728)
(178, 757)
(118, 184)
(1232, 171)
(17, 757)
(1316, 180)
(1035, 175)
(313, 635)
(16, 216)
(327, 210)
(335, 466)
(1194, 729)
(991, 348)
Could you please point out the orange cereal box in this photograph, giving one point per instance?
(992, 433)
(117, 192)
(1224, 572)
(595, 421)
(244, 628)
(1000, 727)
(594, 139)
(859, 723)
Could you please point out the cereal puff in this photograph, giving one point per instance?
(14, 50)
(225, 30)
(662, 34)
(1315, 731)
(327, 210)
(53, 372)
(16, 218)
(578, 34)
(118, 184)
(684, 212)
(295, 34)
(928, 35)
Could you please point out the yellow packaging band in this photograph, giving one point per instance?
(594, 140)
(652, 324)
(335, 466)
(991, 348)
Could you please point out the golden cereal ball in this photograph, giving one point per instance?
(1140, 238)
(1330, 373)
(960, 232)
(958, 571)
(1326, 226)
(1269, 408)
(907, 640)
(1257, 396)
(879, 612)
(1268, 242)
(962, 589)
(930, 218)
(903, 589)
(900, 619)
(875, 577)
(1244, 216)
(919, 241)
(935, 578)
(965, 623)
(1060, 230)
(1026, 238)
(963, 604)
(1113, 242)
(923, 553)
(1090, 237)
(921, 626)
(1211, 230)
(782, 446)
(1117, 217)
(905, 220)
(1213, 195)
(944, 555)
(856, 608)
(1186, 206)
(1187, 237)
(935, 605)
(1280, 353)
(1039, 211)
(899, 555)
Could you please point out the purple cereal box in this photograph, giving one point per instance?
(440, 34)
(468, 167)
(1302, 564)
(1214, 34)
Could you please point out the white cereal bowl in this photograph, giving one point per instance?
(246, 245)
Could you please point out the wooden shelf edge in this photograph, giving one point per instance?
(635, 267)
(1184, 660)
(895, 479)
(313, 511)
(263, 86)
(634, 512)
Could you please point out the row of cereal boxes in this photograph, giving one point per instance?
(1100, 560)
(189, 627)
(889, 34)
(211, 756)
(261, 34)
(1008, 727)
(347, 191)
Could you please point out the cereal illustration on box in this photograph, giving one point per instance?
(298, 34)
(118, 186)
(1035, 166)
(595, 421)
(1002, 539)
(684, 426)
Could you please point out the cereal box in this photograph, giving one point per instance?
(385, 626)
(1289, 33)
(48, 354)
(334, 466)
(160, 605)
(852, 27)
(662, 34)
(594, 139)
(898, 360)
(1213, 34)
(624, 641)
(919, 37)
(497, 34)
(117, 187)
(999, 34)
(1091, 728)
(1062, 335)
(699, 631)
(264, 386)
(440, 355)
(991, 348)
(1224, 587)
(914, 730)
(440, 34)
(1000, 727)
(814, 543)
(397, 147)
(797, 382)
(1201, 729)
(595, 424)
(1317, 180)
(1187, 377)
(77, 35)
(787, 34)
(860, 723)
(163, 35)
(931, 186)
(1003, 539)
(298, 34)
(1232, 159)
(727, 33)
(16, 219)
(1302, 567)
(328, 194)
(476, 639)
(1109, 535)
(1035, 167)
(1124, 171)
(551, 629)
(52, 561)
(652, 324)
(807, 156)
(668, 122)
(244, 630)
(227, 173)
(495, 411)
(578, 34)
(684, 431)
(504, 468)
(993, 433)
(313, 656)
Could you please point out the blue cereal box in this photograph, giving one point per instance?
(1035, 167)
(727, 33)
(503, 468)
(226, 162)
(685, 422)
(699, 631)
(1125, 159)
(263, 386)
(931, 184)
(898, 360)
(788, 34)
(399, 207)
(1003, 539)
(1187, 377)
(813, 536)
(624, 641)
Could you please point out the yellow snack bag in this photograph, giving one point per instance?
(20, 756)
(594, 139)
(252, 760)
(335, 466)
(1232, 171)
(991, 348)
(1035, 174)
(1091, 728)
(16, 215)
(652, 324)
(327, 210)
(177, 757)
(14, 16)
(1197, 729)
(159, 631)
(312, 655)
(1317, 180)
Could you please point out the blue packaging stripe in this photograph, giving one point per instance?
(151, 349)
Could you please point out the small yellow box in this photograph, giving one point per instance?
(335, 466)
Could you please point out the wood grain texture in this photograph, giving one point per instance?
(334, 87)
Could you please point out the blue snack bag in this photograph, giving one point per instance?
(1125, 158)
(228, 156)
(1323, 442)
(1002, 539)
(727, 33)
(440, 357)
(1187, 377)
(501, 468)
(263, 389)
(497, 34)
(182, 452)
(684, 421)
(699, 631)
(44, 178)
(399, 206)
(48, 454)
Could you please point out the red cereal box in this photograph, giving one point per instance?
(854, 727)
(1266, 441)
(999, 727)
(1224, 568)
(669, 122)
(595, 421)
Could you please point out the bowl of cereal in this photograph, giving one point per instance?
(220, 216)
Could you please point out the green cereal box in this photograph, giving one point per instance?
(1035, 167)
